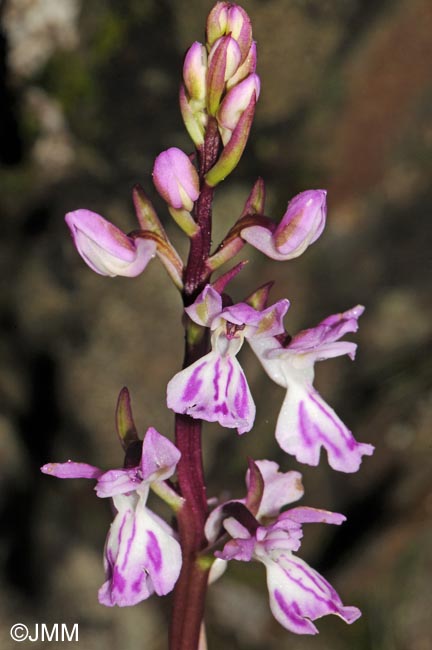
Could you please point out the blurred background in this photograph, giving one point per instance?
(88, 99)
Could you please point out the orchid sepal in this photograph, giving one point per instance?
(232, 152)
(194, 120)
(184, 220)
(125, 424)
(105, 248)
(166, 253)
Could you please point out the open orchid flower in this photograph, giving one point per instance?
(306, 423)
(214, 388)
(298, 594)
(105, 248)
(142, 555)
(278, 489)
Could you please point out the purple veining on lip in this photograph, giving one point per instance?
(153, 551)
(122, 525)
(136, 585)
(110, 557)
(194, 384)
(306, 425)
(129, 545)
(230, 374)
(309, 590)
(291, 611)
(221, 408)
(318, 581)
(241, 398)
(303, 424)
(349, 440)
(216, 377)
(118, 581)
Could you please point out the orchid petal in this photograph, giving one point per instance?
(217, 570)
(105, 248)
(301, 225)
(306, 423)
(322, 342)
(70, 469)
(118, 481)
(265, 323)
(176, 178)
(159, 457)
(300, 595)
(206, 307)
(214, 389)
(127, 579)
(141, 556)
(280, 488)
(306, 515)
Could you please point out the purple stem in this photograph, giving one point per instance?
(191, 587)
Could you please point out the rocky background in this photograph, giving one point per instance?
(88, 99)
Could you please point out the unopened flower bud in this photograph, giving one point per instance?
(195, 71)
(194, 121)
(235, 103)
(246, 68)
(301, 225)
(105, 248)
(240, 28)
(230, 19)
(233, 150)
(224, 59)
(176, 179)
(217, 22)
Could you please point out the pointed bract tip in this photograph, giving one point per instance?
(125, 425)
(259, 298)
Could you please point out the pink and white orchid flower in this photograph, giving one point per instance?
(142, 554)
(105, 248)
(306, 423)
(298, 594)
(215, 388)
(301, 225)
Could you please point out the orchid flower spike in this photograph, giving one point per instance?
(301, 225)
(105, 248)
(306, 423)
(214, 388)
(142, 554)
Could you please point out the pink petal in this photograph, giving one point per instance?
(206, 307)
(322, 341)
(306, 515)
(117, 481)
(280, 488)
(176, 178)
(159, 456)
(214, 389)
(71, 470)
(300, 595)
(105, 248)
(127, 580)
(306, 423)
(265, 323)
(141, 555)
(302, 223)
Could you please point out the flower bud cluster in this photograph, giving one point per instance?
(219, 78)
